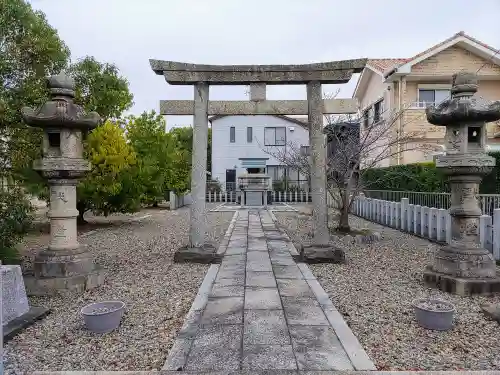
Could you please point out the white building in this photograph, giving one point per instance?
(239, 145)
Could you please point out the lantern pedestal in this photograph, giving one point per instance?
(65, 266)
(464, 267)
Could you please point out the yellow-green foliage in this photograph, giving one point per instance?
(110, 186)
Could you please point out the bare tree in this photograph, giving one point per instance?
(355, 147)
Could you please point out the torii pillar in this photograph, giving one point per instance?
(257, 76)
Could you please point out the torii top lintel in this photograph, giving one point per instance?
(179, 73)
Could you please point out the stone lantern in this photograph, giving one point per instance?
(65, 264)
(463, 267)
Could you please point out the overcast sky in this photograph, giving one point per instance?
(130, 32)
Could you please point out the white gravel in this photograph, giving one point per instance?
(374, 291)
(157, 293)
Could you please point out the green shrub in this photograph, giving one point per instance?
(410, 177)
(16, 216)
(423, 177)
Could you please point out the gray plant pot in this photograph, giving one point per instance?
(434, 314)
(102, 317)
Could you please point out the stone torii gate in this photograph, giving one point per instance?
(257, 76)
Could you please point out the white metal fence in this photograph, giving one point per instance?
(428, 222)
(487, 202)
(276, 196)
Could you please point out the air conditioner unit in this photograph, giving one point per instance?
(292, 128)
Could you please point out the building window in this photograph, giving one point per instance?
(377, 111)
(304, 151)
(365, 119)
(432, 97)
(232, 134)
(249, 134)
(276, 172)
(275, 136)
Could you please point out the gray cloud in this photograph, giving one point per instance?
(129, 32)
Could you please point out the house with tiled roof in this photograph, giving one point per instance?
(387, 86)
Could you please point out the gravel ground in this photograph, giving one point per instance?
(374, 291)
(140, 272)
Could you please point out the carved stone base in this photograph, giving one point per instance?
(205, 254)
(62, 285)
(320, 254)
(461, 286)
(463, 262)
(63, 263)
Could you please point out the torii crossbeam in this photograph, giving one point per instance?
(257, 76)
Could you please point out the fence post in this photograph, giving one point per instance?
(424, 221)
(448, 227)
(432, 223)
(172, 201)
(398, 216)
(417, 211)
(410, 218)
(374, 210)
(404, 212)
(485, 231)
(392, 215)
(441, 225)
(385, 209)
(496, 233)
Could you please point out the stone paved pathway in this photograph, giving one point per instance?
(259, 310)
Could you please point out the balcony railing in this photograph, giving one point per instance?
(421, 105)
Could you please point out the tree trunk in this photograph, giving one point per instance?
(344, 213)
(344, 220)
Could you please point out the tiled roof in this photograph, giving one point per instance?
(384, 65)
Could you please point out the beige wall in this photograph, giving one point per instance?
(374, 90)
(451, 60)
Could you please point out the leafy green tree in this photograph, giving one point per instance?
(100, 88)
(184, 137)
(15, 219)
(164, 159)
(30, 50)
(180, 176)
(111, 186)
(155, 152)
